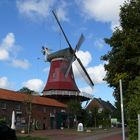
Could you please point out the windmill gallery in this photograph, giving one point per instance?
(50, 109)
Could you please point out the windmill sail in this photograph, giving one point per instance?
(81, 40)
(81, 68)
(83, 72)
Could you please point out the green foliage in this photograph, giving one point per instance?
(86, 118)
(124, 62)
(74, 107)
(95, 115)
(100, 117)
(26, 90)
(133, 129)
(3, 120)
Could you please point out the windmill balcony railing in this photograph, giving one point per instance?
(87, 95)
(68, 93)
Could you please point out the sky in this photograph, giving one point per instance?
(27, 25)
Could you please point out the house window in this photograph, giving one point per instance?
(3, 105)
(100, 110)
(44, 110)
(18, 107)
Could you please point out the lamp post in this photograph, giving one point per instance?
(122, 111)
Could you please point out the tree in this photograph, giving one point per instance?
(74, 108)
(124, 59)
(26, 90)
(28, 104)
(95, 114)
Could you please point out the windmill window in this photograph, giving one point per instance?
(3, 105)
(54, 75)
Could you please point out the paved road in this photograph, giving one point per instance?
(94, 137)
(105, 136)
(114, 134)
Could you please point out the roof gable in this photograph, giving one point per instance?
(101, 104)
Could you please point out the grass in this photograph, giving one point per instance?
(31, 138)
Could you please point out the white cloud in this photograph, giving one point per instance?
(4, 83)
(85, 57)
(88, 90)
(41, 9)
(34, 84)
(24, 64)
(97, 73)
(102, 10)
(7, 54)
(6, 45)
(62, 12)
(4, 54)
(8, 41)
(35, 8)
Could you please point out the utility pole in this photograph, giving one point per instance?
(122, 111)
(138, 126)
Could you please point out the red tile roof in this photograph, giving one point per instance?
(21, 97)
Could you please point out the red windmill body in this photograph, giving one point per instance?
(57, 79)
(61, 83)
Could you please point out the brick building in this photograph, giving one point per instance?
(45, 113)
(101, 105)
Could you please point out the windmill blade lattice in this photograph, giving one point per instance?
(81, 68)
(83, 72)
(81, 40)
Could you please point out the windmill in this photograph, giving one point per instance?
(61, 84)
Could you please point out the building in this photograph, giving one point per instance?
(100, 104)
(45, 113)
(101, 113)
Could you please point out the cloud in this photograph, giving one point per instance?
(85, 57)
(101, 10)
(34, 84)
(24, 64)
(41, 9)
(4, 83)
(62, 12)
(4, 54)
(6, 45)
(34, 8)
(88, 90)
(97, 73)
